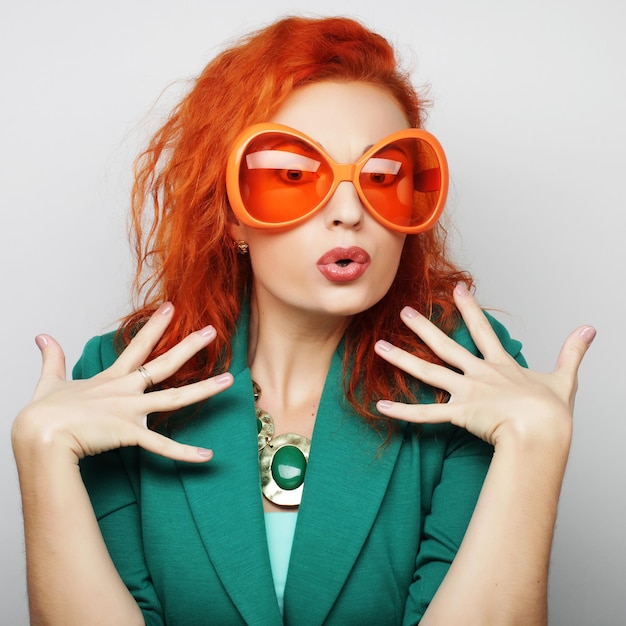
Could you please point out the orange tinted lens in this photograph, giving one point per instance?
(402, 181)
(282, 178)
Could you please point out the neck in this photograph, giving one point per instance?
(289, 353)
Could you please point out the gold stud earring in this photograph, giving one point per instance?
(241, 246)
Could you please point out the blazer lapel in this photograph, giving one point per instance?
(346, 480)
(224, 496)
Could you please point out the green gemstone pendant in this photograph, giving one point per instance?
(288, 467)
(283, 464)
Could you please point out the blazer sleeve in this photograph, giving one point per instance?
(454, 498)
(112, 481)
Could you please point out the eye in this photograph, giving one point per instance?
(294, 176)
(288, 167)
(381, 172)
(381, 179)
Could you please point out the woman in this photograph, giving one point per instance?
(403, 466)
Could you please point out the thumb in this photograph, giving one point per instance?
(52, 360)
(574, 349)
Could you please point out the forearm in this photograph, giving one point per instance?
(71, 578)
(500, 573)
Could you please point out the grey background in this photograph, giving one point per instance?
(529, 103)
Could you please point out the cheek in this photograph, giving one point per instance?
(390, 254)
(276, 257)
(393, 251)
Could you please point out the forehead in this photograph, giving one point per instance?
(344, 117)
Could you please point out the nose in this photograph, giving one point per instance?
(344, 207)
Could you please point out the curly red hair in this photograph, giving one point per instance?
(180, 213)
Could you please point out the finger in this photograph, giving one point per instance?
(52, 357)
(52, 361)
(168, 363)
(441, 344)
(417, 413)
(478, 325)
(175, 398)
(429, 373)
(142, 344)
(574, 349)
(163, 446)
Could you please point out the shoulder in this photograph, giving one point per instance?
(98, 354)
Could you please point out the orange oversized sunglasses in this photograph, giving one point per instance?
(277, 177)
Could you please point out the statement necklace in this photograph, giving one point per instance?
(282, 459)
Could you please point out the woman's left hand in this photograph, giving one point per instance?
(494, 396)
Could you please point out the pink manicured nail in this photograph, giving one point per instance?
(384, 404)
(224, 379)
(461, 290)
(587, 334)
(409, 312)
(384, 345)
(207, 331)
(41, 341)
(204, 452)
(165, 308)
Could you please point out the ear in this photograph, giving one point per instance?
(236, 231)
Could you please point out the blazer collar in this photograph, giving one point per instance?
(346, 479)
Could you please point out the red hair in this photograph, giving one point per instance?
(180, 212)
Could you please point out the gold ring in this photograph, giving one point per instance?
(146, 376)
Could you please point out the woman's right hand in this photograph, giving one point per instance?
(108, 411)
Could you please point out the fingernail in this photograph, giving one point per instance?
(204, 452)
(165, 308)
(384, 345)
(224, 379)
(409, 312)
(41, 341)
(587, 334)
(207, 331)
(384, 404)
(461, 290)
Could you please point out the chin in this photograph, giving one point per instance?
(343, 306)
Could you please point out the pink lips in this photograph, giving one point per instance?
(344, 264)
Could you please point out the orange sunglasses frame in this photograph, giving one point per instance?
(341, 172)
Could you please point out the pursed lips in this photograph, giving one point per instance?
(344, 264)
(353, 253)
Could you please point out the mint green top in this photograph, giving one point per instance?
(376, 531)
(280, 528)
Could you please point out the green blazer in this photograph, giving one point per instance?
(377, 528)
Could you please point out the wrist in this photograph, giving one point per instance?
(539, 453)
(537, 432)
(34, 437)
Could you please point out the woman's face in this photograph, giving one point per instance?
(341, 261)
